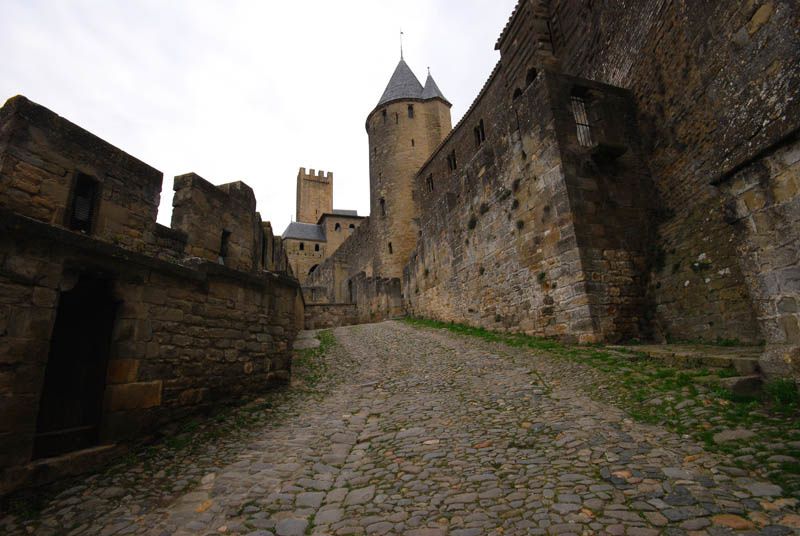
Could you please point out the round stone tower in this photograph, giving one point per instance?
(408, 123)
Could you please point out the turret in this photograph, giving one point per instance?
(407, 124)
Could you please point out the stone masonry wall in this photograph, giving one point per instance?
(515, 238)
(41, 156)
(713, 84)
(314, 195)
(330, 315)
(187, 331)
(763, 206)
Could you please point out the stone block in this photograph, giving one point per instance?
(139, 395)
(122, 371)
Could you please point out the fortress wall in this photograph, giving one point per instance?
(41, 157)
(715, 84)
(106, 336)
(529, 233)
(233, 207)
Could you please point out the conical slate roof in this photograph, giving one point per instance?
(431, 90)
(402, 85)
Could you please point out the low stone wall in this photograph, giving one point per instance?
(182, 337)
(330, 315)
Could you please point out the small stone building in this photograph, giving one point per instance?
(111, 324)
(320, 229)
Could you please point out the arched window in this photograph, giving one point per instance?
(411, 111)
(337, 227)
(352, 226)
(316, 247)
(302, 246)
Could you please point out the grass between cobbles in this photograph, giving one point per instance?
(686, 401)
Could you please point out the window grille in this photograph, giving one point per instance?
(582, 121)
(83, 204)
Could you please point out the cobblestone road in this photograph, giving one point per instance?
(430, 434)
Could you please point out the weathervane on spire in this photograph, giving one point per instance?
(401, 43)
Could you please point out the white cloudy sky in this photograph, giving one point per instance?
(241, 89)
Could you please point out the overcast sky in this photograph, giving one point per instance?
(242, 90)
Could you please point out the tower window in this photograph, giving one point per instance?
(531, 76)
(582, 124)
(412, 142)
(396, 118)
(383, 113)
(390, 248)
(316, 247)
(302, 246)
(480, 134)
(429, 182)
(84, 199)
(411, 111)
(451, 160)
(337, 227)
(517, 94)
(383, 207)
(352, 226)
(224, 242)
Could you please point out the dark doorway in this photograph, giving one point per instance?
(75, 376)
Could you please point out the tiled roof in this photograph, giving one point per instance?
(304, 231)
(343, 212)
(431, 90)
(402, 85)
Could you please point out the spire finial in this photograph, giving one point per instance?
(429, 71)
(401, 43)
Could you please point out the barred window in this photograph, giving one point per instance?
(582, 120)
(84, 199)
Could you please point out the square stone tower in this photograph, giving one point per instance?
(314, 195)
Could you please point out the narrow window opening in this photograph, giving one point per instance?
(412, 142)
(224, 241)
(383, 207)
(584, 128)
(383, 113)
(517, 94)
(480, 134)
(84, 199)
(263, 251)
(396, 118)
(351, 226)
(411, 111)
(302, 246)
(531, 76)
(429, 181)
(337, 227)
(316, 247)
(390, 248)
(350, 291)
(452, 164)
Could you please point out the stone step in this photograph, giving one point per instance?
(744, 359)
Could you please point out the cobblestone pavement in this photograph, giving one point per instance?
(427, 434)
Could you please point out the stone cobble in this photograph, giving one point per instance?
(424, 433)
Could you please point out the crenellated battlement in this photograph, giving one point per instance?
(320, 176)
